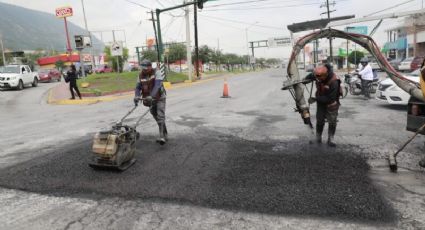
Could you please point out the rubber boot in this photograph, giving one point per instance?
(319, 131)
(161, 140)
(331, 134)
(165, 132)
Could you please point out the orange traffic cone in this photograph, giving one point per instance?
(225, 89)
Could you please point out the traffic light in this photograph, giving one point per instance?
(200, 3)
(79, 41)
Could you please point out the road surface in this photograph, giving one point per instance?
(238, 163)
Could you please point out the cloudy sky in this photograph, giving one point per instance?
(222, 22)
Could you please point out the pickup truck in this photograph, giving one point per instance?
(17, 77)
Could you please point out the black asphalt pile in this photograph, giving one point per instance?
(213, 170)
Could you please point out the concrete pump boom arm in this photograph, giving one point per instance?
(294, 78)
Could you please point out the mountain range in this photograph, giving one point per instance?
(26, 29)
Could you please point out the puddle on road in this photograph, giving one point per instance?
(227, 173)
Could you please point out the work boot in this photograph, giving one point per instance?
(331, 134)
(165, 132)
(319, 131)
(161, 140)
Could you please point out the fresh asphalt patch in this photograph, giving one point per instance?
(219, 171)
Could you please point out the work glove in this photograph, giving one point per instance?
(147, 101)
(309, 78)
(311, 100)
(307, 120)
(136, 101)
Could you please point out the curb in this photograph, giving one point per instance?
(94, 100)
(86, 101)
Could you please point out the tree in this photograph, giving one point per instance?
(216, 56)
(205, 54)
(30, 59)
(150, 55)
(177, 52)
(113, 59)
(272, 61)
(355, 56)
(59, 64)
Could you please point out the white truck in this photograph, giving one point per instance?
(17, 77)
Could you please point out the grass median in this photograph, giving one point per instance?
(110, 83)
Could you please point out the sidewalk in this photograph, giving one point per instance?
(60, 94)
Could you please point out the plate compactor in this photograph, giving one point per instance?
(115, 148)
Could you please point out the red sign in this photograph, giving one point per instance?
(150, 42)
(63, 12)
(86, 58)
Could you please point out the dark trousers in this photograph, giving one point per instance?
(158, 112)
(73, 86)
(365, 87)
(324, 112)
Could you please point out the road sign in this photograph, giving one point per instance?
(356, 29)
(63, 12)
(279, 41)
(116, 49)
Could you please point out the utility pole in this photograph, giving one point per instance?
(118, 63)
(328, 12)
(2, 50)
(188, 50)
(253, 56)
(156, 37)
(247, 46)
(195, 21)
(218, 54)
(89, 34)
(198, 3)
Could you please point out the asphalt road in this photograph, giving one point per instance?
(243, 162)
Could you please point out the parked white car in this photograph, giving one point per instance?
(388, 91)
(17, 76)
(406, 64)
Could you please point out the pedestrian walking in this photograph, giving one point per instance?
(71, 77)
(327, 98)
(152, 91)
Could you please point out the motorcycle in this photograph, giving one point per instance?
(354, 83)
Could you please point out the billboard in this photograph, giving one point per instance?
(63, 12)
(356, 29)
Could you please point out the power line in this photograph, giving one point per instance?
(265, 8)
(248, 2)
(234, 27)
(245, 23)
(389, 8)
(160, 3)
(138, 4)
(135, 3)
